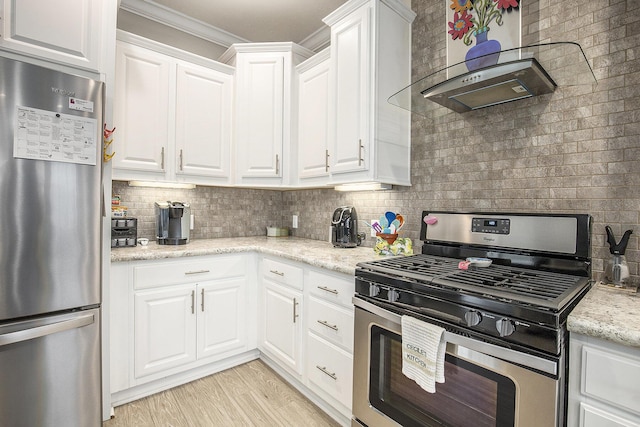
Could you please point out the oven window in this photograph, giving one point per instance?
(470, 395)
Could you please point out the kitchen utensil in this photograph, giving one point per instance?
(390, 216)
(400, 219)
(617, 270)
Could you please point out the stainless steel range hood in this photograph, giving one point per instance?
(519, 73)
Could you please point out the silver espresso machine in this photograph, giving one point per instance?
(172, 223)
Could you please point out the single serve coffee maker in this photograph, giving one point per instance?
(172, 223)
(344, 228)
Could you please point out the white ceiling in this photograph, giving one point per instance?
(250, 20)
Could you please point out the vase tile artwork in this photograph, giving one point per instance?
(477, 30)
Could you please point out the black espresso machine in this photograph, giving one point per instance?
(344, 228)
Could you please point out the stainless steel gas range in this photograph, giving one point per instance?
(502, 286)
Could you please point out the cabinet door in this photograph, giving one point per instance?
(222, 317)
(69, 32)
(203, 121)
(141, 109)
(282, 323)
(350, 92)
(260, 98)
(164, 329)
(313, 122)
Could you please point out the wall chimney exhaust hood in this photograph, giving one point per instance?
(516, 74)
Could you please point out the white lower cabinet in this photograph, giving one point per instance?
(603, 384)
(164, 329)
(180, 324)
(174, 320)
(281, 309)
(330, 372)
(306, 328)
(282, 327)
(222, 318)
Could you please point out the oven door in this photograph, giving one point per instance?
(485, 385)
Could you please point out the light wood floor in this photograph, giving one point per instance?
(247, 395)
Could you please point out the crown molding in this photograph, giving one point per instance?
(151, 10)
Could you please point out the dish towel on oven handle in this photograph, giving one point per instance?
(423, 349)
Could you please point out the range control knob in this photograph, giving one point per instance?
(393, 295)
(472, 318)
(505, 326)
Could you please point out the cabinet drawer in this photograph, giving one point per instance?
(594, 417)
(330, 369)
(331, 288)
(332, 322)
(281, 272)
(611, 377)
(188, 270)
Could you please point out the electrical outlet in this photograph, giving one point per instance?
(294, 222)
(373, 225)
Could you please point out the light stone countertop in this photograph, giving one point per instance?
(608, 313)
(313, 252)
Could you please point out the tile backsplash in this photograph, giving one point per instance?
(218, 211)
(574, 151)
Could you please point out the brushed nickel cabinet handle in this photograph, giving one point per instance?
(181, 159)
(193, 302)
(279, 273)
(295, 311)
(360, 147)
(202, 299)
(326, 161)
(326, 289)
(324, 370)
(328, 325)
(187, 273)
(162, 158)
(277, 164)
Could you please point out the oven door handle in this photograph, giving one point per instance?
(544, 365)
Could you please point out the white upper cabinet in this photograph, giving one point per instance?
(370, 61)
(203, 121)
(263, 114)
(173, 117)
(68, 32)
(313, 119)
(350, 95)
(141, 110)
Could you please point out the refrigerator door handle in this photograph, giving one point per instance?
(41, 331)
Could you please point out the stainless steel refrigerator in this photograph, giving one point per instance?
(50, 248)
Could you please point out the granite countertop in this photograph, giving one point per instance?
(313, 252)
(608, 313)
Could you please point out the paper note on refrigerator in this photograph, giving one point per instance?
(56, 137)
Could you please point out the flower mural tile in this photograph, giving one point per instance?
(477, 30)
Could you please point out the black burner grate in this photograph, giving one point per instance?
(509, 284)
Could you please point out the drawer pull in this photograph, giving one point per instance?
(279, 273)
(332, 291)
(324, 370)
(328, 325)
(187, 273)
(295, 309)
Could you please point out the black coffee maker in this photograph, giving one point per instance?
(344, 228)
